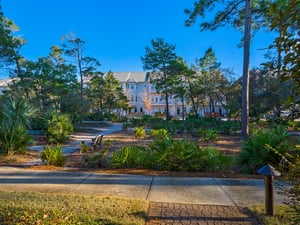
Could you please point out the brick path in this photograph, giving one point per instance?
(177, 213)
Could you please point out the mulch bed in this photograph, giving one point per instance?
(228, 144)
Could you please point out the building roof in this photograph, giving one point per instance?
(131, 76)
(4, 83)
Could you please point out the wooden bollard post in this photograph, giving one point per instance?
(269, 172)
(269, 192)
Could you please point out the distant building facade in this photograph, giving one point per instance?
(144, 99)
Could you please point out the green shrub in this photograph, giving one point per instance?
(129, 157)
(58, 127)
(53, 155)
(159, 133)
(13, 139)
(208, 135)
(294, 192)
(255, 152)
(15, 118)
(291, 172)
(139, 132)
(176, 155)
(215, 160)
(171, 155)
(95, 160)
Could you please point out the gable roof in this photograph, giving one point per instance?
(131, 76)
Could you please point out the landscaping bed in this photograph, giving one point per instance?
(229, 144)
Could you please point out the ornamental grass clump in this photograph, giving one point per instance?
(139, 132)
(53, 155)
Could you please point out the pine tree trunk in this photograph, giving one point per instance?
(246, 72)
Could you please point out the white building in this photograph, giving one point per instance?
(5, 83)
(144, 100)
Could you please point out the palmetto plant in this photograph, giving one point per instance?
(18, 111)
(255, 151)
(15, 118)
(58, 127)
(53, 155)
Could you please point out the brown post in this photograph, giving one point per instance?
(269, 172)
(269, 192)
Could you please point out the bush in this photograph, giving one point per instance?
(15, 118)
(95, 160)
(54, 156)
(208, 135)
(13, 139)
(129, 157)
(139, 132)
(58, 127)
(171, 155)
(255, 152)
(175, 155)
(291, 172)
(159, 134)
(215, 160)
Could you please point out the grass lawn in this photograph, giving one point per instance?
(283, 215)
(38, 208)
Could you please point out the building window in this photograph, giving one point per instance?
(132, 86)
(132, 98)
(135, 109)
(136, 98)
(178, 111)
(141, 109)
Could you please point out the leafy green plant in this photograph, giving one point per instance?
(139, 132)
(58, 127)
(95, 160)
(291, 173)
(178, 155)
(215, 160)
(15, 118)
(53, 155)
(129, 157)
(13, 139)
(254, 152)
(207, 135)
(84, 148)
(159, 133)
(292, 124)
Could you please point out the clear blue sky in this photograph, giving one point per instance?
(116, 32)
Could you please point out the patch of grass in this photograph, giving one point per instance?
(38, 208)
(283, 215)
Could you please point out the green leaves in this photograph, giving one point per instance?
(53, 155)
(16, 117)
(255, 152)
(58, 127)
(158, 59)
(171, 155)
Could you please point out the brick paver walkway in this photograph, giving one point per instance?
(175, 213)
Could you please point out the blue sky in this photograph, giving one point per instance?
(116, 32)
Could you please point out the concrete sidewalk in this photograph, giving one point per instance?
(191, 190)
